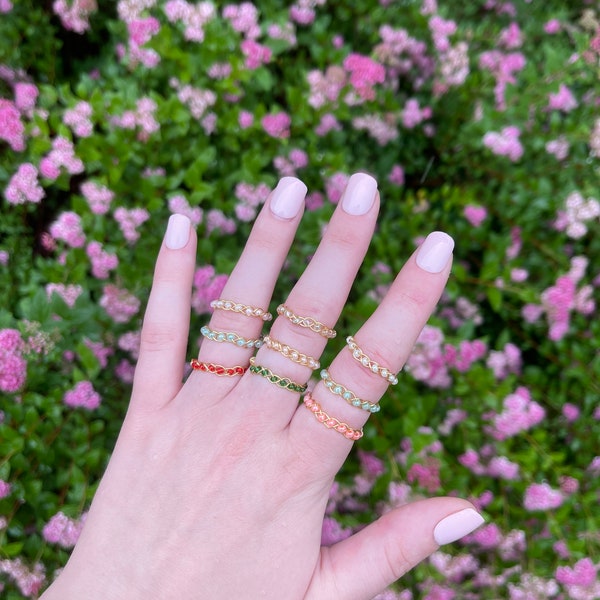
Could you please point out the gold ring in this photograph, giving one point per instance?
(307, 322)
(366, 362)
(244, 309)
(293, 355)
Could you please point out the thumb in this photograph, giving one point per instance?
(361, 566)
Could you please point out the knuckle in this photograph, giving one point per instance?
(157, 337)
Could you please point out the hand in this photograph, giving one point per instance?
(217, 487)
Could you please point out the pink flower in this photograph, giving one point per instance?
(364, 74)
(540, 496)
(24, 186)
(426, 475)
(4, 489)
(130, 220)
(102, 261)
(475, 214)
(243, 18)
(256, 54)
(335, 186)
(5, 6)
(179, 205)
(413, 114)
(28, 581)
(207, 287)
(62, 530)
(75, 15)
(61, 155)
(84, 395)
(582, 574)
(119, 303)
(396, 175)
(11, 127)
(78, 119)
(25, 97)
(277, 125)
(141, 31)
(503, 468)
(505, 143)
(520, 413)
(332, 532)
(69, 293)
(570, 412)
(98, 197)
(558, 147)
(553, 26)
(245, 119)
(68, 229)
(303, 15)
(511, 37)
(562, 100)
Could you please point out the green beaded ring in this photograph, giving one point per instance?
(282, 382)
(228, 336)
(347, 395)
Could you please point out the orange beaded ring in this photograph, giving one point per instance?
(330, 422)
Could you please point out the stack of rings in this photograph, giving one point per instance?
(217, 369)
(294, 355)
(330, 422)
(307, 322)
(347, 395)
(366, 362)
(229, 336)
(244, 309)
(283, 382)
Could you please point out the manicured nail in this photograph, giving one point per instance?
(288, 197)
(455, 526)
(360, 194)
(435, 252)
(178, 232)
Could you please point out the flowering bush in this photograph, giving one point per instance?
(479, 119)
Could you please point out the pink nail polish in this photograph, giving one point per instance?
(178, 232)
(288, 197)
(359, 194)
(435, 252)
(457, 525)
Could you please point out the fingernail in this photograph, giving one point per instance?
(178, 232)
(360, 194)
(455, 526)
(288, 197)
(435, 252)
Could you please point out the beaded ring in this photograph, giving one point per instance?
(244, 309)
(293, 355)
(366, 362)
(307, 322)
(330, 422)
(228, 336)
(219, 370)
(347, 395)
(282, 382)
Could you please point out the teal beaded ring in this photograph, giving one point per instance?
(282, 382)
(228, 336)
(347, 395)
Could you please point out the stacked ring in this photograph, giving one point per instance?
(228, 336)
(307, 322)
(217, 369)
(347, 395)
(330, 422)
(282, 382)
(293, 355)
(244, 309)
(366, 362)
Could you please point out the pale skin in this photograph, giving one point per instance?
(217, 486)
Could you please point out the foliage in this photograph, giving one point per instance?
(479, 120)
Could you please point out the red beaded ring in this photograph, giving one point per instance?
(219, 370)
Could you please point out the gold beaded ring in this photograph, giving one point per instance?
(366, 362)
(347, 395)
(230, 337)
(219, 370)
(244, 309)
(294, 355)
(283, 382)
(307, 322)
(331, 422)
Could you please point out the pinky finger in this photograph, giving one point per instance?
(361, 566)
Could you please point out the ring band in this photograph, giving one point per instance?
(366, 362)
(293, 355)
(282, 382)
(347, 395)
(219, 370)
(244, 309)
(307, 322)
(229, 336)
(330, 422)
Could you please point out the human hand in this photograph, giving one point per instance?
(217, 487)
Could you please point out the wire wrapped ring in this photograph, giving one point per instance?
(347, 395)
(331, 422)
(366, 362)
(294, 355)
(283, 382)
(244, 309)
(307, 322)
(219, 370)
